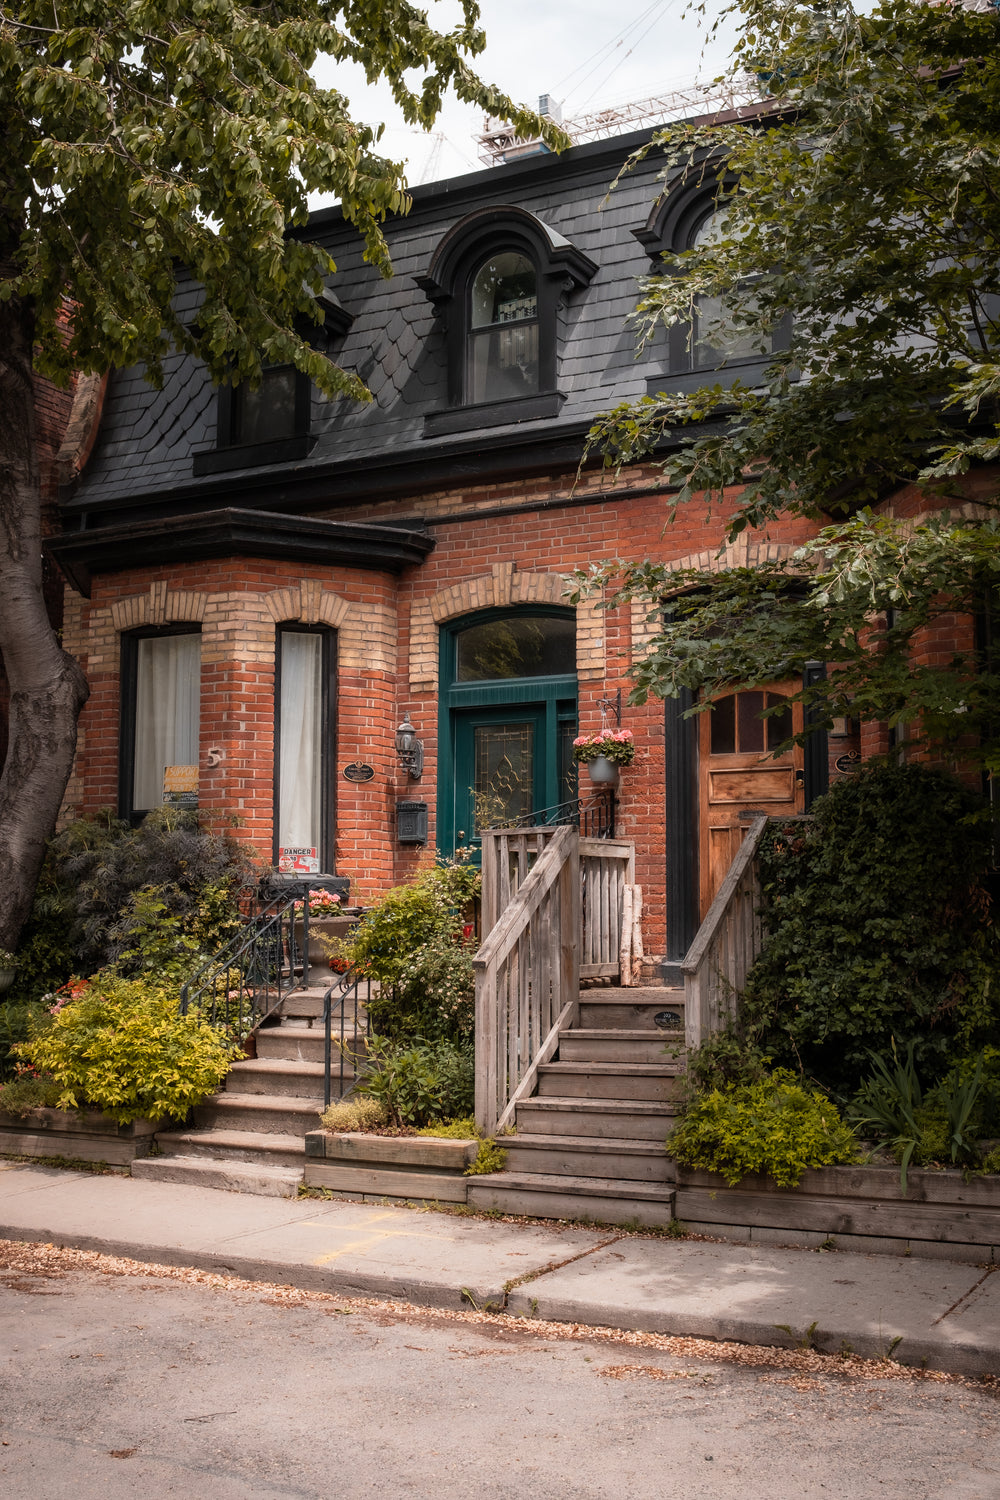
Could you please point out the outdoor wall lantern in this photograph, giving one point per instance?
(409, 749)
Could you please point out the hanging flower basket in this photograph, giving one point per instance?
(613, 745)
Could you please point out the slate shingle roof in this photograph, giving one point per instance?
(397, 343)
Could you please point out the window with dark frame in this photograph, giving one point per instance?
(160, 720)
(304, 748)
(498, 280)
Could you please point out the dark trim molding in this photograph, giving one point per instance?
(681, 765)
(493, 414)
(236, 533)
(252, 455)
(816, 754)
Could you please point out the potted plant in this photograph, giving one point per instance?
(602, 753)
(326, 921)
(8, 968)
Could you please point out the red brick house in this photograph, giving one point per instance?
(263, 585)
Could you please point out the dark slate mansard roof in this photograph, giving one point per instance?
(144, 460)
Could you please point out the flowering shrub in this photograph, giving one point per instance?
(615, 745)
(8, 960)
(321, 904)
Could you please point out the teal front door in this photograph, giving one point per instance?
(508, 718)
(500, 770)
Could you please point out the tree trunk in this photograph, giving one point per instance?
(47, 687)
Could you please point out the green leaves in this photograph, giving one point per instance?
(140, 134)
(866, 211)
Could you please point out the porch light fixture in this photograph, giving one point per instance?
(409, 749)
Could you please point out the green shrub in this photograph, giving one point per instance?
(19, 1096)
(489, 1158)
(463, 1129)
(413, 942)
(160, 897)
(17, 1023)
(121, 1046)
(879, 927)
(423, 1082)
(775, 1127)
(355, 1114)
(938, 1124)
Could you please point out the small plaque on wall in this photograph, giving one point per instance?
(849, 762)
(358, 771)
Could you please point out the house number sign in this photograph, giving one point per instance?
(358, 771)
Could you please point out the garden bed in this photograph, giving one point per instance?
(76, 1135)
(857, 1208)
(411, 1167)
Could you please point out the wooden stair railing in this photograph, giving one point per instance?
(728, 941)
(527, 979)
(550, 899)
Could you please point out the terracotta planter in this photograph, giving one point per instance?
(78, 1135)
(603, 772)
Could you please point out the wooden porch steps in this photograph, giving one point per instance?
(589, 1143)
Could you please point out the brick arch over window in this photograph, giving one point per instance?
(741, 553)
(504, 586)
(159, 606)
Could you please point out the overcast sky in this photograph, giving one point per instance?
(587, 54)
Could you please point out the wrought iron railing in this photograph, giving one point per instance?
(346, 1028)
(594, 816)
(241, 985)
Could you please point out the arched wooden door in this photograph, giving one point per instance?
(738, 773)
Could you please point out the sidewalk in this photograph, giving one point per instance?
(937, 1312)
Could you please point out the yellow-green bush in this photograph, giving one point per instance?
(355, 1114)
(122, 1046)
(775, 1127)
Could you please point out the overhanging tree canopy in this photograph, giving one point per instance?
(139, 134)
(866, 211)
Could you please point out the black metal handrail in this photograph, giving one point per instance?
(244, 982)
(594, 816)
(344, 997)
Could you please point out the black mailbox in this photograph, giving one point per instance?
(411, 822)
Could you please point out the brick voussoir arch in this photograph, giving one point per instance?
(504, 587)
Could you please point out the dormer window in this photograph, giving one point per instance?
(499, 281)
(708, 350)
(269, 413)
(269, 423)
(503, 329)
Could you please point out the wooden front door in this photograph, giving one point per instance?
(738, 774)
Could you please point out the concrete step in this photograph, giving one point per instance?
(653, 1009)
(284, 1115)
(597, 1044)
(613, 1080)
(227, 1146)
(232, 1176)
(277, 1078)
(302, 1043)
(587, 1156)
(612, 1119)
(600, 1199)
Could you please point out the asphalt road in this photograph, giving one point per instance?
(120, 1385)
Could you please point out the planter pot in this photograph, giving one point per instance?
(6, 979)
(78, 1135)
(603, 772)
(319, 959)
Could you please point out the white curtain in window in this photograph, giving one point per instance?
(167, 711)
(300, 729)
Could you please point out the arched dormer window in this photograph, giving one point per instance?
(498, 281)
(690, 216)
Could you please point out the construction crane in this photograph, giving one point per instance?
(499, 142)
